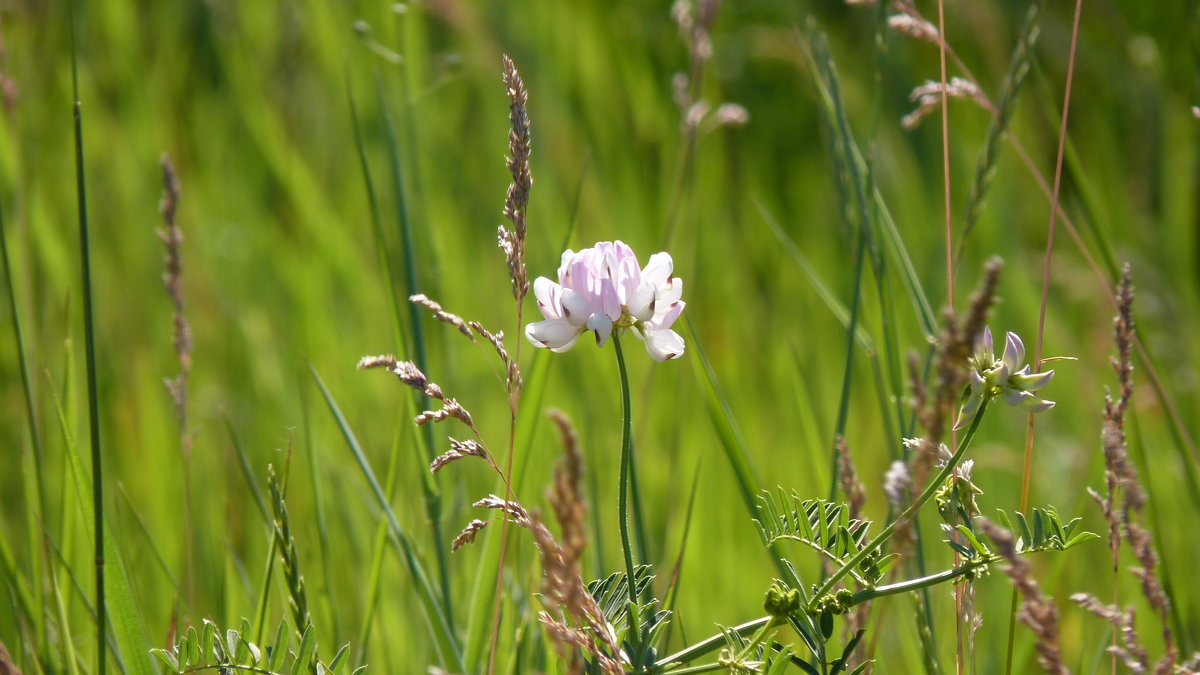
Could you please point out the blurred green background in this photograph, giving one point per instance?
(251, 101)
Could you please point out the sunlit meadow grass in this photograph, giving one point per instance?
(333, 159)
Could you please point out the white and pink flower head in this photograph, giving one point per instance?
(603, 288)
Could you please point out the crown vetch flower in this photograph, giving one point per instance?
(603, 288)
(1007, 377)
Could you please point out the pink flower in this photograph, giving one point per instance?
(602, 288)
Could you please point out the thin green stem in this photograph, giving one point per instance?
(626, 451)
(930, 488)
(709, 645)
(90, 347)
(923, 582)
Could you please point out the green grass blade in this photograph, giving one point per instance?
(433, 499)
(733, 443)
(128, 629)
(247, 472)
(436, 619)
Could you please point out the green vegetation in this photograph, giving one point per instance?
(334, 158)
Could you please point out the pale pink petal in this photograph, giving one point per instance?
(670, 292)
(601, 326)
(658, 269)
(665, 315)
(555, 334)
(664, 345)
(547, 294)
(609, 303)
(628, 279)
(641, 305)
(576, 307)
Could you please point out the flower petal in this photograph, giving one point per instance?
(983, 345)
(1014, 352)
(1017, 397)
(547, 293)
(555, 334)
(670, 292)
(664, 344)
(658, 269)
(1030, 381)
(601, 325)
(610, 302)
(665, 315)
(976, 383)
(641, 305)
(1036, 405)
(576, 307)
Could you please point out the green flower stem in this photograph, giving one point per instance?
(923, 582)
(761, 625)
(930, 488)
(623, 498)
(706, 668)
(711, 644)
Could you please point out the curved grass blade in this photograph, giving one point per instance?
(438, 624)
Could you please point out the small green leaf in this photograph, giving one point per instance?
(168, 658)
(1039, 529)
(194, 654)
(338, 658)
(826, 624)
(208, 641)
(970, 536)
(1026, 537)
(277, 652)
(304, 655)
(1079, 539)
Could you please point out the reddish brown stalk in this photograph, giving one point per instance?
(958, 595)
(1054, 198)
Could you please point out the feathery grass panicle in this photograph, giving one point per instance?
(468, 534)
(451, 409)
(928, 97)
(512, 372)
(851, 486)
(458, 450)
(172, 239)
(913, 26)
(440, 314)
(512, 242)
(407, 371)
(1037, 611)
(1130, 650)
(1121, 479)
(565, 496)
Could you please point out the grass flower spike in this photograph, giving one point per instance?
(601, 289)
(1007, 377)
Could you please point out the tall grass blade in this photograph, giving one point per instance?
(436, 619)
(128, 629)
(35, 507)
(85, 259)
(433, 499)
(247, 472)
